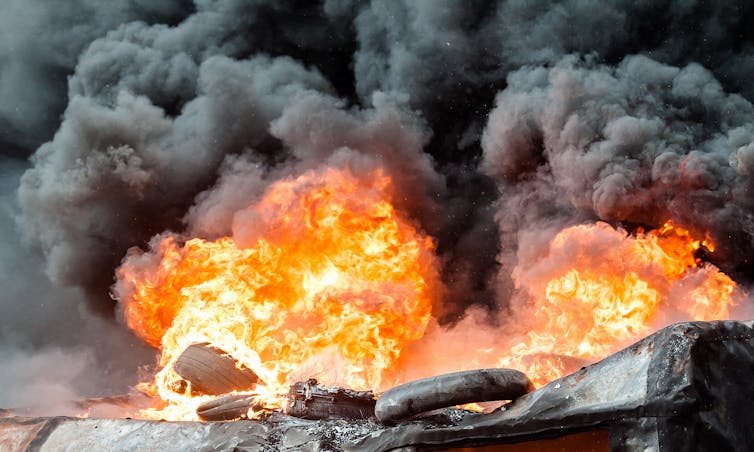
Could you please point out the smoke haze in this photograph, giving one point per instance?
(500, 122)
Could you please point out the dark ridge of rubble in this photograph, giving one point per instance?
(686, 387)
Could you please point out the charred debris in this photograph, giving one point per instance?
(686, 387)
(207, 370)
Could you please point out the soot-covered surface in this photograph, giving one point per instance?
(277, 433)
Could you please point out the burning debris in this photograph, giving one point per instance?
(307, 204)
(227, 408)
(308, 400)
(212, 371)
(685, 387)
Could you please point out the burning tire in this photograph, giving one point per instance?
(447, 390)
(225, 408)
(211, 371)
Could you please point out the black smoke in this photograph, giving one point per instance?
(500, 121)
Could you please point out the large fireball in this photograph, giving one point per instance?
(599, 288)
(330, 282)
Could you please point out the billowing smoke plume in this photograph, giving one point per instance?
(501, 122)
(40, 47)
(640, 142)
(53, 350)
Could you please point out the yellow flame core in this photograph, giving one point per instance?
(332, 283)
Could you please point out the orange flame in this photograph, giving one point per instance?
(332, 282)
(324, 278)
(599, 289)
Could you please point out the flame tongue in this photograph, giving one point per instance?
(331, 282)
(600, 288)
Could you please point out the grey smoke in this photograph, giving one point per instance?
(500, 122)
(46, 374)
(115, 175)
(640, 142)
(54, 351)
(40, 45)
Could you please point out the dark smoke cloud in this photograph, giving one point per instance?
(640, 142)
(115, 175)
(500, 122)
(53, 350)
(433, 50)
(447, 59)
(40, 45)
(443, 52)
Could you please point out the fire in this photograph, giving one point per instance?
(601, 288)
(325, 278)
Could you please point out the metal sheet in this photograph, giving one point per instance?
(686, 387)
